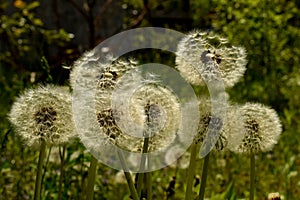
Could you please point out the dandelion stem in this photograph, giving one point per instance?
(38, 180)
(149, 185)
(191, 172)
(204, 177)
(91, 178)
(142, 165)
(148, 180)
(128, 177)
(45, 167)
(62, 166)
(252, 175)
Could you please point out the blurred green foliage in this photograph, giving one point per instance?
(24, 42)
(269, 30)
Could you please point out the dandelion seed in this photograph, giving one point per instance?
(44, 114)
(262, 129)
(202, 57)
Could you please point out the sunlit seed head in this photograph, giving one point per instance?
(233, 129)
(202, 57)
(107, 116)
(44, 114)
(225, 126)
(153, 109)
(157, 110)
(262, 129)
(85, 70)
(208, 120)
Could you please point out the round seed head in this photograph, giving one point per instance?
(226, 128)
(262, 129)
(44, 114)
(203, 57)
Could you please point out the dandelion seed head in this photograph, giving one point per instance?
(262, 128)
(152, 109)
(208, 120)
(202, 57)
(86, 69)
(157, 109)
(44, 114)
(107, 116)
(222, 127)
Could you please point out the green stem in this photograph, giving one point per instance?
(191, 172)
(81, 195)
(45, 167)
(62, 166)
(149, 185)
(204, 177)
(128, 177)
(142, 166)
(38, 180)
(91, 178)
(252, 175)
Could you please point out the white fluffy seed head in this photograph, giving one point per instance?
(107, 116)
(44, 114)
(157, 109)
(226, 126)
(85, 70)
(203, 57)
(152, 108)
(262, 129)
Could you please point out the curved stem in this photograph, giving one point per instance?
(91, 178)
(252, 175)
(204, 177)
(191, 172)
(38, 180)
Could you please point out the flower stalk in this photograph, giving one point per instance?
(252, 175)
(91, 178)
(142, 166)
(62, 167)
(38, 180)
(204, 177)
(191, 172)
(128, 177)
